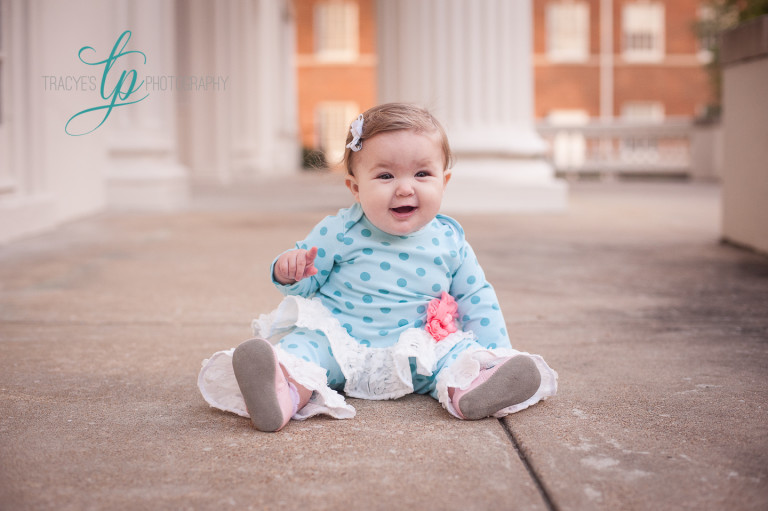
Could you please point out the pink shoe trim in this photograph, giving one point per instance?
(452, 391)
(283, 390)
(483, 377)
(295, 397)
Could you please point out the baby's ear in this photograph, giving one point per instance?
(446, 177)
(351, 183)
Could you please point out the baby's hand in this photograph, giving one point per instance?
(295, 265)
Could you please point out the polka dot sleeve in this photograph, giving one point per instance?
(326, 236)
(479, 309)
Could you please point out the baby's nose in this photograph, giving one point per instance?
(404, 188)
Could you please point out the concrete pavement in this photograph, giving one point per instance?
(659, 334)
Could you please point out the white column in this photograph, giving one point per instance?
(469, 62)
(27, 202)
(249, 130)
(47, 176)
(606, 60)
(144, 171)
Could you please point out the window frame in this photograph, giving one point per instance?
(336, 28)
(332, 120)
(560, 44)
(655, 31)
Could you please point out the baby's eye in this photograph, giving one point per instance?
(384, 175)
(423, 173)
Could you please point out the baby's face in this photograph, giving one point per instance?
(399, 180)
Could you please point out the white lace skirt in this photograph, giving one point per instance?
(371, 373)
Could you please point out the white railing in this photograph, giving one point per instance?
(610, 149)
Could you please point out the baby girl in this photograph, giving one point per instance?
(383, 299)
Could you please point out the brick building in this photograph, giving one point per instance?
(633, 59)
(612, 60)
(336, 69)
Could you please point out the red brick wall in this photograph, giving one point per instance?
(680, 17)
(317, 82)
(681, 89)
(679, 81)
(567, 87)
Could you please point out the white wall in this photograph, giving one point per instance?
(145, 154)
(250, 130)
(707, 152)
(55, 177)
(745, 124)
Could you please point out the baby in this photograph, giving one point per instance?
(383, 299)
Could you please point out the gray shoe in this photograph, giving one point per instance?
(510, 382)
(266, 392)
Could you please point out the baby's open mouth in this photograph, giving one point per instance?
(403, 210)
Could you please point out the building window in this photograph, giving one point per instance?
(643, 32)
(707, 32)
(568, 31)
(336, 26)
(332, 125)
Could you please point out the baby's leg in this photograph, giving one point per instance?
(428, 384)
(313, 346)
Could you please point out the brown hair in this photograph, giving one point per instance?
(398, 116)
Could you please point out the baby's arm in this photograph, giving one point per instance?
(295, 265)
(479, 309)
(304, 269)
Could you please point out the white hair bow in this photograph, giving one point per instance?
(356, 128)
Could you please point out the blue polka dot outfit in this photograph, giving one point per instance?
(378, 285)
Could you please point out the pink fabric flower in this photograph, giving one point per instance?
(441, 315)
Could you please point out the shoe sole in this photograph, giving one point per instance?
(516, 381)
(255, 365)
